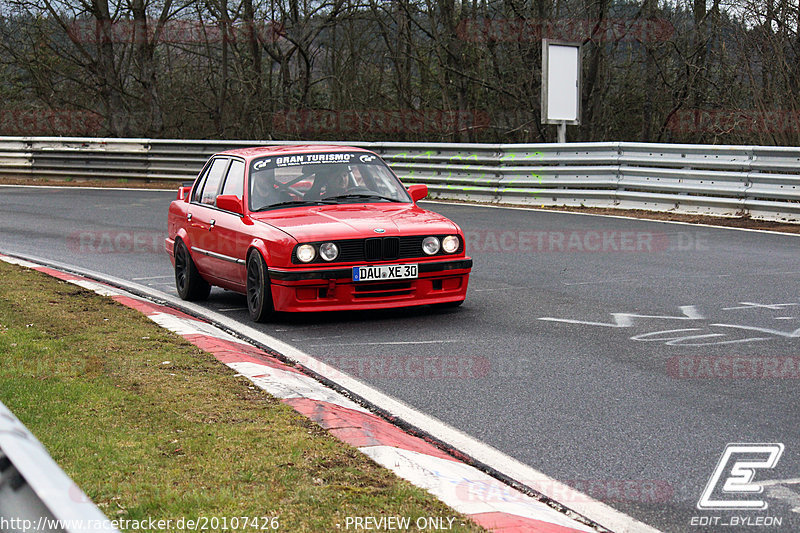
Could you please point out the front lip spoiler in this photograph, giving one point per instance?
(347, 273)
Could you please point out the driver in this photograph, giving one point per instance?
(329, 182)
(262, 189)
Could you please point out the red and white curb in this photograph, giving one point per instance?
(488, 502)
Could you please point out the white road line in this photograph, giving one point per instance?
(770, 482)
(599, 281)
(626, 320)
(751, 305)
(151, 277)
(231, 309)
(776, 489)
(129, 189)
(782, 493)
(317, 338)
(684, 276)
(392, 343)
(506, 289)
(778, 333)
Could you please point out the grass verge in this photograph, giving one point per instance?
(149, 426)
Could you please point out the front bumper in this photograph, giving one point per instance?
(332, 289)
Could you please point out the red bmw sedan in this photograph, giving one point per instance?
(312, 228)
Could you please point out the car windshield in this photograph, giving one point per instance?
(320, 179)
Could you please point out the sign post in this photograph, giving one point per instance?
(561, 85)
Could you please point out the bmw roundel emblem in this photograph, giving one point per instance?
(380, 230)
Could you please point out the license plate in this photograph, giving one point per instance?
(385, 272)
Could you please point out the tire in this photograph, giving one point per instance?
(190, 285)
(259, 292)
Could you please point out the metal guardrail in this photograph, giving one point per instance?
(760, 181)
(35, 494)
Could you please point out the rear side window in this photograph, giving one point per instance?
(234, 183)
(198, 190)
(213, 180)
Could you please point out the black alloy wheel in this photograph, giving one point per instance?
(259, 292)
(188, 282)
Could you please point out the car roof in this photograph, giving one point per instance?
(259, 151)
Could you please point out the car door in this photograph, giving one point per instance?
(229, 235)
(202, 217)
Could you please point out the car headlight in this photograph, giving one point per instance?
(306, 253)
(450, 244)
(328, 251)
(430, 245)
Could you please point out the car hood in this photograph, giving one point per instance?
(352, 221)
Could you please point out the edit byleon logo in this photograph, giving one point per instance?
(731, 486)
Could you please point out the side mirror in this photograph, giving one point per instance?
(418, 192)
(230, 202)
(184, 192)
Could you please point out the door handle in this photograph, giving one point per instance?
(212, 223)
(189, 217)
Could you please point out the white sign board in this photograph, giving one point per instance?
(561, 76)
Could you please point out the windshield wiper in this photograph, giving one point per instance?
(358, 195)
(292, 202)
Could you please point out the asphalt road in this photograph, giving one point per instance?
(597, 350)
